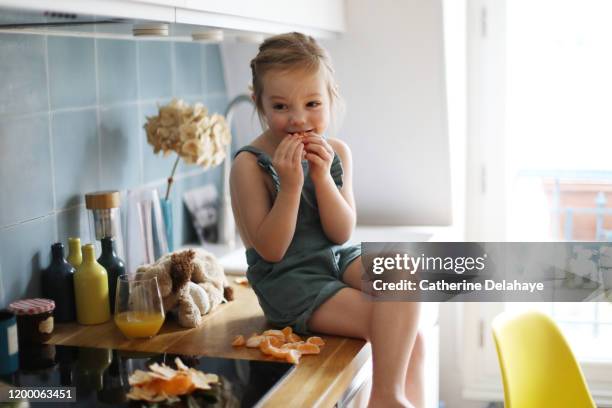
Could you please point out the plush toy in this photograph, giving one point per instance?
(190, 281)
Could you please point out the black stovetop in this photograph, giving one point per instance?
(101, 375)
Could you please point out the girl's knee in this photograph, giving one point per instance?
(346, 313)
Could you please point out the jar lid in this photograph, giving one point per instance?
(101, 200)
(31, 306)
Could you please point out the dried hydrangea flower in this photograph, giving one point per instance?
(189, 131)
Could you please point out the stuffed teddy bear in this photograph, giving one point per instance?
(192, 281)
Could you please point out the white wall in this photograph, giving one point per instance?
(236, 57)
(390, 67)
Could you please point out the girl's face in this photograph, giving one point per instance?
(295, 101)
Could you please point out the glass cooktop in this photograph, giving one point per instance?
(101, 376)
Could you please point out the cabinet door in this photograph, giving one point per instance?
(154, 10)
(323, 17)
(173, 3)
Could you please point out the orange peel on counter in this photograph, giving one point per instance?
(242, 281)
(239, 341)
(282, 344)
(163, 383)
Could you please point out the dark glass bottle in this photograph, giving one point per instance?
(57, 284)
(114, 267)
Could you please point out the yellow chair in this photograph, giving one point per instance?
(538, 368)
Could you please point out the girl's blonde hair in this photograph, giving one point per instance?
(290, 51)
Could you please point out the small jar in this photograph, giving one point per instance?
(34, 319)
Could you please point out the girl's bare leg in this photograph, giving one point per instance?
(414, 383)
(391, 327)
(415, 378)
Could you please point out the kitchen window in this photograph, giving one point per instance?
(540, 133)
(539, 165)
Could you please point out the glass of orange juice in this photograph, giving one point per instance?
(139, 312)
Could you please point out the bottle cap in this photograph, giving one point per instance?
(101, 200)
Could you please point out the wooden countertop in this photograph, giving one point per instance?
(318, 380)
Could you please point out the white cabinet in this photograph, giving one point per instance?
(320, 18)
(324, 18)
(171, 3)
(154, 10)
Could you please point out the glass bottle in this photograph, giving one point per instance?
(91, 289)
(105, 218)
(57, 284)
(114, 267)
(74, 252)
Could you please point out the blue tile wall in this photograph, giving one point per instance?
(117, 70)
(72, 222)
(71, 116)
(154, 69)
(26, 184)
(119, 148)
(23, 88)
(214, 79)
(189, 68)
(25, 252)
(72, 61)
(75, 155)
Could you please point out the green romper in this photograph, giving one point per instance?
(312, 268)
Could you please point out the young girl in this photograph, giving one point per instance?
(293, 202)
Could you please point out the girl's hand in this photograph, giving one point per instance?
(287, 161)
(319, 155)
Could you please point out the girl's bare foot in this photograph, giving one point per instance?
(390, 401)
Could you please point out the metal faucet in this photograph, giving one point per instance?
(227, 225)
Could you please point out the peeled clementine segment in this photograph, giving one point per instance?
(239, 341)
(287, 331)
(293, 356)
(275, 333)
(265, 346)
(278, 353)
(270, 350)
(316, 340)
(283, 344)
(291, 346)
(254, 341)
(308, 348)
(275, 341)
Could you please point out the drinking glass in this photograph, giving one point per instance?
(139, 312)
